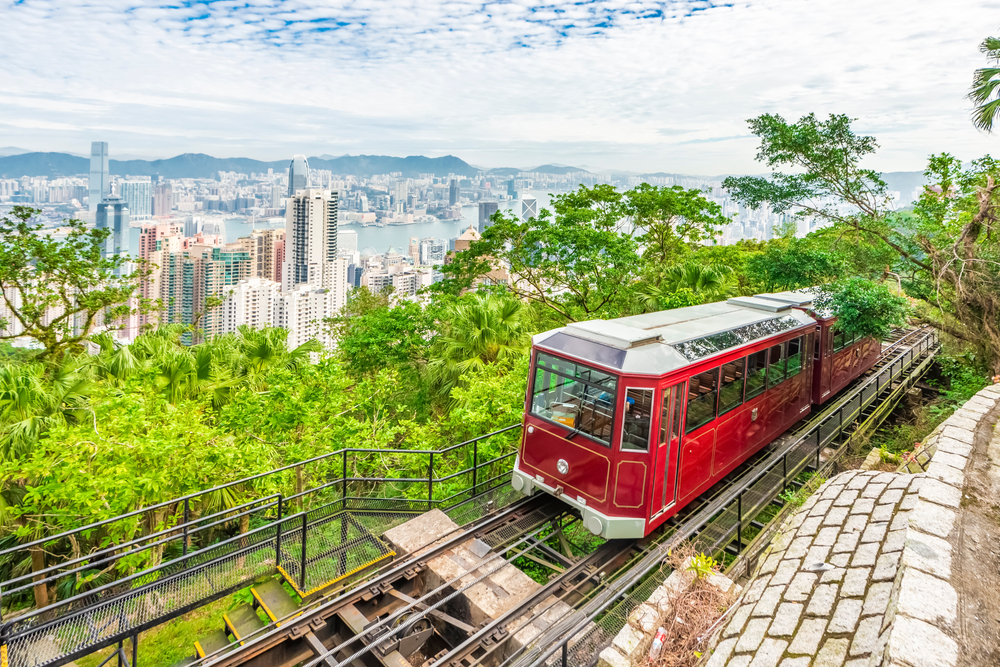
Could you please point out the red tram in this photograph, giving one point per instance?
(630, 419)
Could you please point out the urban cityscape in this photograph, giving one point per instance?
(283, 248)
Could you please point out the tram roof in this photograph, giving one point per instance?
(658, 343)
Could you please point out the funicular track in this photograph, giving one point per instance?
(357, 609)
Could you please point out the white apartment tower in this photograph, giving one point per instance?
(138, 194)
(310, 239)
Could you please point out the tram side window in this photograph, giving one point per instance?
(636, 421)
(731, 393)
(702, 393)
(756, 374)
(776, 365)
(577, 396)
(839, 340)
(794, 357)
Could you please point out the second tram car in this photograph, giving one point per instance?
(630, 419)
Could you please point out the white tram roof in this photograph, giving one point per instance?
(661, 342)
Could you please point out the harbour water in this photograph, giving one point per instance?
(380, 239)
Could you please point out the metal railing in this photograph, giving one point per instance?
(312, 536)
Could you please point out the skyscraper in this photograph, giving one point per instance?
(138, 195)
(298, 175)
(163, 199)
(113, 214)
(347, 242)
(401, 195)
(529, 208)
(486, 211)
(453, 192)
(100, 181)
(310, 239)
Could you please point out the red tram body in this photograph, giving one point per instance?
(630, 419)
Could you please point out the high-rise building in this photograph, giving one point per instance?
(113, 214)
(486, 211)
(529, 208)
(268, 253)
(413, 251)
(453, 192)
(511, 188)
(138, 195)
(298, 175)
(100, 179)
(400, 197)
(433, 251)
(347, 242)
(310, 238)
(163, 199)
(276, 195)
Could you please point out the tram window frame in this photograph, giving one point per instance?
(738, 384)
(756, 366)
(634, 444)
(800, 343)
(592, 390)
(839, 340)
(706, 398)
(772, 378)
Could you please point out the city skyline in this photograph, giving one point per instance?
(599, 86)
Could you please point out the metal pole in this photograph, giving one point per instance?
(187, 515)
(135, 649)
(739, 523)
(565, 652)
(302, 574)
(475, 464)
(277, 537)
(430, 483)
(343, 494)
(121, 653)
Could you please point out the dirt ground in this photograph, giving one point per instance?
(976, 567)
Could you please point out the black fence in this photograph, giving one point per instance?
(191, 555)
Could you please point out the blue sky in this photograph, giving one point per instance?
(638, 86)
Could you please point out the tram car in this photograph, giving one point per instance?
(630, 419)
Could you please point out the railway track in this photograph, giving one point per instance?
(383, 619)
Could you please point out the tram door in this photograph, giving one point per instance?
(664, 491)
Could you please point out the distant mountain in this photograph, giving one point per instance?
(43, 164)
(556, 169)
(12, 150)
(199, 165)
(905, 182)
(504, 171)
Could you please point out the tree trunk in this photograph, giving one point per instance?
(37, 564)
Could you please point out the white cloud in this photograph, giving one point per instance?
(629, 85)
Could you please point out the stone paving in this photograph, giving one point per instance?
(821, 595)
(861, 575)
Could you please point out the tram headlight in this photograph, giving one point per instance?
(562, 466)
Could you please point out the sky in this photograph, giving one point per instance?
(604, 84)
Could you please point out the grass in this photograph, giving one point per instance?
(169, 643)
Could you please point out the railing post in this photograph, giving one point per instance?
(565, 653)
(475, 465)
(302, 573)
(430, 484)
(135, 649)
(739, 523)
(187, 517)
(277, 537)
(343, 495)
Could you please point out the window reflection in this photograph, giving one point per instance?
(637, 419)
(698, 348)
(702, 393)
(577, 396)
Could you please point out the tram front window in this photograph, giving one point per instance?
(577, 396)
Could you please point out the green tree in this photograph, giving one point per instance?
(789, 264)
(706, 283)
(863, 308)
(375, 331)
(57, 291)
(984, 94)
(478, 331)
(946, 248)
(576, 262)
(671, 221)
